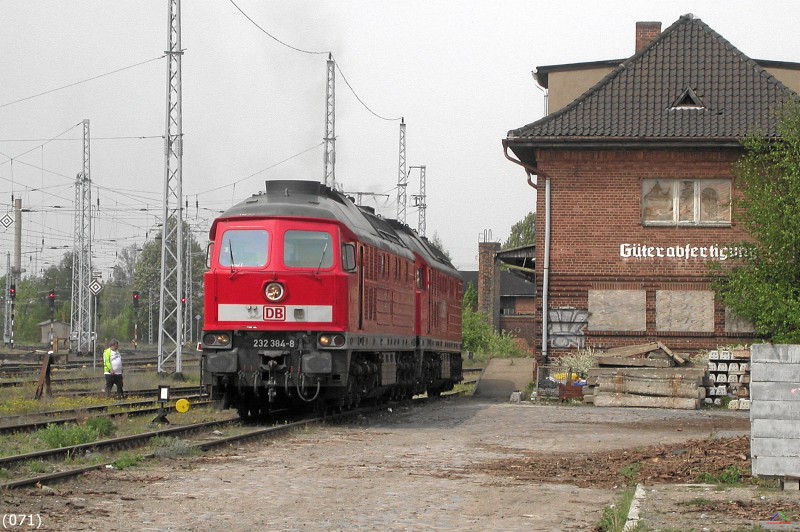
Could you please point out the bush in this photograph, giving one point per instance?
(102, 425)
(479, 337)
(66, 436)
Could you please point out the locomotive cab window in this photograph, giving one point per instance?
(307, 249)
(244, 248)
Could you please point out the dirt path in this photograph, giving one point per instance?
(457, 464)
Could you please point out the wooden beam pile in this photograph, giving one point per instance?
(662, 380)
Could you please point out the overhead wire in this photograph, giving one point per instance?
(315, 53)
(82, 81)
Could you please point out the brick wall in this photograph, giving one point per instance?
(596, 207)
(489, 281)
(522, 328)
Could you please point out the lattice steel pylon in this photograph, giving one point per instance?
(329, 157)
(420, 200)
(402, 175)
(80, 325)
(170, 318)
(8, 314)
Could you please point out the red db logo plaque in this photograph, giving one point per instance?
(274, 313)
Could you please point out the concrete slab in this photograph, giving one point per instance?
(503, 376)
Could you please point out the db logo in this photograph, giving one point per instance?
(274, 313)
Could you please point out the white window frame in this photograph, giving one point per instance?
(675, 185)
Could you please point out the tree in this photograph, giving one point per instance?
(764, 286)
(523, 233)
(477, 335)
(436, 241)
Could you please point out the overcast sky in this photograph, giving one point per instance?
(459, 72)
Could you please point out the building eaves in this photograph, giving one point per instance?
(633, 104)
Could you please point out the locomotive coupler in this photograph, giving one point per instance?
(271, 367)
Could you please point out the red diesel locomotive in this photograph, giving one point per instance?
(311, 300)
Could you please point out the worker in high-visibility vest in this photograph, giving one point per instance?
(112, 368)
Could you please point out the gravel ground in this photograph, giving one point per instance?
(453, 464)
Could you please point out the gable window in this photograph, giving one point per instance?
(686, 202)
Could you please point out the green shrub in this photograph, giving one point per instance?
(102, 425)
(126, 460)
(66, 436)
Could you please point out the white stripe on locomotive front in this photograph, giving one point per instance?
(310, 313)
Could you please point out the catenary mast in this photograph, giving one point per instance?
(81, 298)
(170, 317)
(402, 175)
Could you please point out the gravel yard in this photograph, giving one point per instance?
(453, 464)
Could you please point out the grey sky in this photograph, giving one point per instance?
(459, 72)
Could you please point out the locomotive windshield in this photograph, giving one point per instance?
(307, 249)
(244, 248)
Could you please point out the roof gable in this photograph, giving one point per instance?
(689, 82)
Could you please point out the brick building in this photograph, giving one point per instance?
(507, 297)
(633, 171)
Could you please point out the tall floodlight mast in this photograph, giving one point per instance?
(81, 300)
(402, 175)
(330, 126)
(419, 200)
(170, 317)
(8, 315)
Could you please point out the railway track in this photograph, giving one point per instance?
(205, 443)
(137, 408)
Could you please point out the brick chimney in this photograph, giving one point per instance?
(489, 281)
(645, 33)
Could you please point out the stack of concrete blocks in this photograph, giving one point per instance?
(729, 376)
(775, 413)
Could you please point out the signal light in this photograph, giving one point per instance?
(12, 291)
(136, 300)
(183, 301)
(51, 299)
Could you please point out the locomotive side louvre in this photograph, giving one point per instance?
(309, 299)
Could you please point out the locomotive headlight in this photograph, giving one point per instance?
(331, 340)
(217, 339)
(274, 292)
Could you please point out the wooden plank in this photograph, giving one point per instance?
(775, 447)
(771, 429)
(636, 362)
(776, 466)
(660, 387)
(618, 399)
(652, 373)
(775, 391)
(674, 357)
(631, 350)
(664, 374)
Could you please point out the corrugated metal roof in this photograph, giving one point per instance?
(639, 99)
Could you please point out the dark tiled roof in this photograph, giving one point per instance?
(510, 284)
(639, 99)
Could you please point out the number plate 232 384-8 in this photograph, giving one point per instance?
(275, 343)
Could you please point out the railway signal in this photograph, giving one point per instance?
(136, 300)
(12, 292)
(51, 299)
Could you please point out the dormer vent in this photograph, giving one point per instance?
(688, 100)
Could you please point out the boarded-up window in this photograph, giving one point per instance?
(684, 311)
(617, 310)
